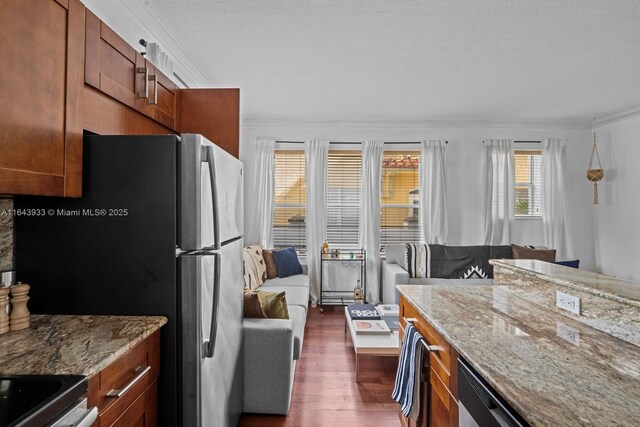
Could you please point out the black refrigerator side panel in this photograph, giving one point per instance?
(113, 251)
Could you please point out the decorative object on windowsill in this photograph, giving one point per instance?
(595, 175)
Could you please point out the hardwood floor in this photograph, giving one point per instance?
(325, 392)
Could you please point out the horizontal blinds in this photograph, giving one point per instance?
(344, 172)
(400, 219)
(290, 200)
(528, 185)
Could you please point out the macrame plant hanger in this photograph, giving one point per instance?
(595, 175)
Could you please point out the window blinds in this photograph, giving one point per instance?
(290, 200)
(528, 185)
(344, 196)
(399, 198)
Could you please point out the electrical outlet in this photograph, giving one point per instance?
(568, 333)
(568, 302)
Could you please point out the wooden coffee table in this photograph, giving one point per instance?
(370, 344)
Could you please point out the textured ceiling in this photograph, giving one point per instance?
(416, 60)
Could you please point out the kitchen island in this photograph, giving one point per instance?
(552, 368)
(119, 354)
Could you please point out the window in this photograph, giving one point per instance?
(344, 172)
(528, 174)
(290, 200)
(399, 198)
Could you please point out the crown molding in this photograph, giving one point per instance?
(631, 113)
(416, 124)
(141, 12)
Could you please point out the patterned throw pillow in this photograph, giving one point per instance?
(418, 260)
(254, 266)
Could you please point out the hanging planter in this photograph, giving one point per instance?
(595, 175)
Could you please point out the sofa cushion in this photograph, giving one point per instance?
(301, 280)
(270, 263)
(298, 316)
(251, 306)
(395, 254)
(296, 295)
(274, 304)
(287, 262)
(522, 252)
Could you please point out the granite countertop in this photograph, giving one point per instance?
(81, 345)
(581, 280)
(553, 369)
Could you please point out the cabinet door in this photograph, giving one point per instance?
(213, 113)
(114, 67)
(161, 103)
(443, 409)
(42, 50)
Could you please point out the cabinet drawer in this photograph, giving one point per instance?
(118, 386)
(443, 354)
(133, 416)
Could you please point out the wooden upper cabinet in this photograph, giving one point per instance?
(161, 103)
(42, 50)
(113, 66)
(121, 72)
(214, 113)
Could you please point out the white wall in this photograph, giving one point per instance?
(617, 217)
(464, 173)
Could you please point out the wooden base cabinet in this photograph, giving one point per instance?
(42, 52)
(439, 388)
(126, 391)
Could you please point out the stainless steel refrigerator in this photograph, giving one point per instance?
(158, 231)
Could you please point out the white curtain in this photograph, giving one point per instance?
(369, 232)
(316, 154)
(261, 227)
(554, 214)
(499, 191)
(433, 194)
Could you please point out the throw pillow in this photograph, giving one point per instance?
(287, 262)
(272, 269)
(259, 269)
(418, 260)
(572, 264)
(522, 252)
(251, 281)
(274, 304)
(252, 307)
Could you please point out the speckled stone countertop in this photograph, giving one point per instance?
(81, 345)
(554, 370)
(581, 280)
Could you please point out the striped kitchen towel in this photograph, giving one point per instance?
(418, 259)
(407, 388)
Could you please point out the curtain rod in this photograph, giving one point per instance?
(356, 142)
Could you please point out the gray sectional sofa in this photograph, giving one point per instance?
(449, 264)
(272, 347)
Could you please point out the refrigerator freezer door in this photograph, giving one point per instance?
(211, 195)
(229, 194)
(212, 366)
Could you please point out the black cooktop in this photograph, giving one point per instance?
(34, 400)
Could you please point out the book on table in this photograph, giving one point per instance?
(363, 311)
(388, 309)
(371, 327)
(393, 322)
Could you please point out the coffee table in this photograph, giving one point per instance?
(370, 344)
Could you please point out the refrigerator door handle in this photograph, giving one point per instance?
(207, 154)
(209, 344)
